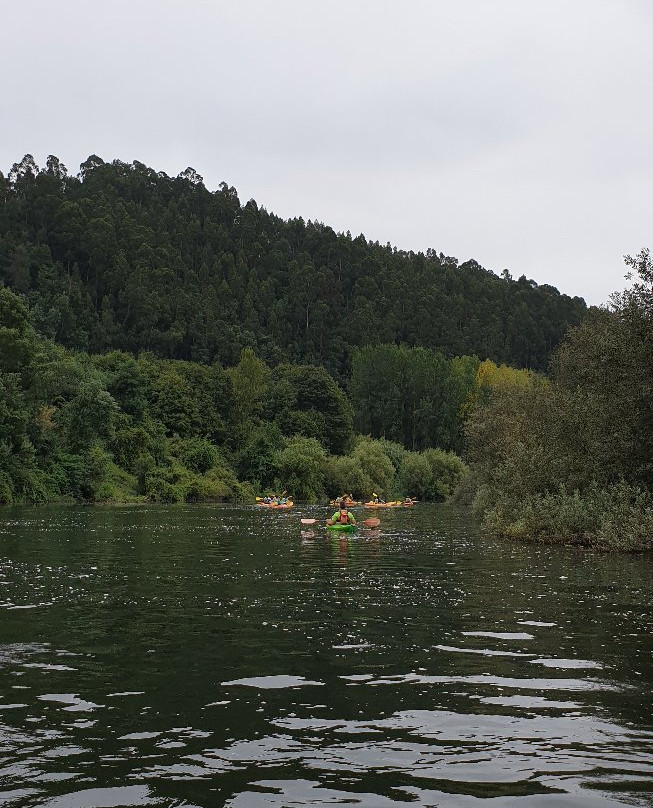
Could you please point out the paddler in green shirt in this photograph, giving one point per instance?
(342, 516)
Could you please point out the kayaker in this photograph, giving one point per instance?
(342, 516)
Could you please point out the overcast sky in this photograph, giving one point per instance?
(515, 132)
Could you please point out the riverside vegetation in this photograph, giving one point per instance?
(159, 341)
(569, 458)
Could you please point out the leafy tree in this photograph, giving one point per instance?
(416, 477)
(306, 400)
(345, 474)
(257, 457)
(448, 472)
(376, 466)
(16, 335)
(300, 465)
(249, 383)
(88, 416)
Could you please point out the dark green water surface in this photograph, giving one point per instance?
(216, 656)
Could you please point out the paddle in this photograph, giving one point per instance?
(371, 522)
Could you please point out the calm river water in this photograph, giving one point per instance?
(216, 656)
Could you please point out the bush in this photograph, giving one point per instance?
(196, 454)
(346, 474)
(395, 452)
(416, 476)
(129, 444)
(616, 518)
(221, 484)
(376, 466)
(448, 472)
(6, 489)
(160, 490)
(301, 464)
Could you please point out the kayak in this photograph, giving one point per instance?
(382, 504)
(350, 503)
(342, 528)
(275, 506)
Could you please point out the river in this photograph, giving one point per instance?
(219, 656)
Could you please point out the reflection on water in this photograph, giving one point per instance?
(213, 656)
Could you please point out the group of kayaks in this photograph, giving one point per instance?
(407, 502)
(286, 504)
(283, 503)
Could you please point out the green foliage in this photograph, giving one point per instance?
(448, 472)
(6, 489)
(346, 474)
(433, 475)
(377, 468)
(306, 400)
(416, 476)
(88, 416)
(187, 398)
(301, 465)
(125, 381)
(249, 384)
(411, 396)
(257, 457)
(16, 336)
(197, 454)
(618, 517)
(131, 444)
(395, 452)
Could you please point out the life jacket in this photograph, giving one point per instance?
(343, 517)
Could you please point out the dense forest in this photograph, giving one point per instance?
(124, 257)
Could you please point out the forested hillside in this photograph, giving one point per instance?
(124, 257)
